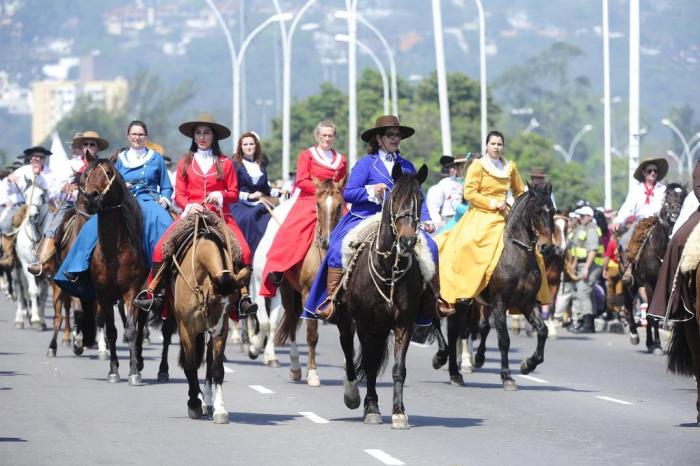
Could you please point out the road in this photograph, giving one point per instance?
(595, 400)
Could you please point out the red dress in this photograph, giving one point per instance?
(296, 233)
(194, 189)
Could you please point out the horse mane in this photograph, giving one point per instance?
(404, 188)
(326, 186)
(520, 206)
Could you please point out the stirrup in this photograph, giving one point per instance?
(145, 304)
(246, 307)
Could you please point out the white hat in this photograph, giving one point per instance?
(585, 210)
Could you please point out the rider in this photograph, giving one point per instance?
(250, 213)
(206, 179)
(293, 239)
(83, 146)
(470, 251)
(367, 185)
(444, 197)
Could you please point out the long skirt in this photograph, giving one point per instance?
(252, 220)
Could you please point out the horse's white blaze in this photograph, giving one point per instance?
(329, 204)
(218, 400)
(383, 456)
(313, 417)
(261, 389)
(534, 379)
(614, 400)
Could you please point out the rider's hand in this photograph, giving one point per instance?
(193, 208)
(379, 190)
(215, 197)
(254, 196)
(429, 227)
(70, 187)
(501, 206)
(163, 202)
(12, 178)
(614, 227)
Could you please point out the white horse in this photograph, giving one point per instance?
(268, 324)
(32, 290)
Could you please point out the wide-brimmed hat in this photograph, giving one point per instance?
(102, 144)
(387, 121)
(220, 131)
(537, 172)
(72, 140)
(585, 210)
(660, 163)
(36, 149)
(448, 160)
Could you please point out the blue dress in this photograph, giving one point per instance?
(148, 182)
(251, 216)
(369, 170)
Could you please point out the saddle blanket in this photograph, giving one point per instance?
(363, 232)
(690, 259)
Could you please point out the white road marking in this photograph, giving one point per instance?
(614, 400)
(383, 457)
(228, 370)
(534, 379)
(261, 389)
(420, 345)
(313, 417)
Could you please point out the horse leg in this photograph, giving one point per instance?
(629, 313)
(484, 329)
(373, 349)
(402, 338)
(167, 330)
(66, 307)
(136, 321)
(215, 364)
(270, 358)
(207, 393)
(346, 332)
(658, 350)
(111, 331)
(57, 320)
(191, 354)
(441, 356)
(37, 320)
(499, 319)
(78, 322)
(312, 378)
(257, 340)
(453, 322)
(530, 364)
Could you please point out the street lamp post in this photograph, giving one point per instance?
(569, 155)
(442, 80)
(634, 133)
(482, 72)
(382, 71)
(351, 8)
(607, 139)
(685, 155)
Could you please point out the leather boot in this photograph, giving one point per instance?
(246, 306)
(47, 249)
(333, 279)
(154, 298)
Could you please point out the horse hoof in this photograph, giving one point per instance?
(113, 377)
(135, 380)
(146, 341)
(163, 377)
(466, 368)
(399, 421)
(124, 339)
(295, 374)
(221, 418)
(252, 355)
(103, 355)
(658, 351)
(373, 418)
(78, 350)
(479, 361)
(352, 395)
(273, 363)
(525, 368)
(194, 413)
(510, 386)
(51, 353)
(439, 360)
(634, 339)
(457, 380)
(312, 378)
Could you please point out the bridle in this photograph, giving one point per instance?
(535, 237)
(110, 181)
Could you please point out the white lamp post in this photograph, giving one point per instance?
(569, 155)
(341, 14)
(482, 73)
(607, 138)
(686, 144)
(634, 133)
(351, 8)
(442, 80)
(382, 71)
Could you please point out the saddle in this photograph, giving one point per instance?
(690, 258)
(639, 238)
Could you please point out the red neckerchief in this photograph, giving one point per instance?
(649, 193)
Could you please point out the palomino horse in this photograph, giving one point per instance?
(203, 288)
(118, 266)
(28, 237)
(297, 282)
(383, 294)
(648, 263)
(516, 279)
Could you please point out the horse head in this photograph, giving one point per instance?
(100, 184)
(541, 213)
(405, 203)
(673, 201)
(36, 202)
(329, 208)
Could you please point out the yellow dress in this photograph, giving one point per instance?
(470, 251)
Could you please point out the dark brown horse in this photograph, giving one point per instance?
(383, 295)
(118, 266)
(516, 279)
(648, 264)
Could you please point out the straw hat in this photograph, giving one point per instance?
(387, 121)
(660, 163)
(220, 131)
(102, 144)
(77, 135)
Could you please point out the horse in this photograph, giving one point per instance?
(297, 282)
(516, 279)
(34, 290)
(382, 293)
(648, 263)
(118, 266)
(203, 288)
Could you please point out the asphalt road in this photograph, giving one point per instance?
(595, 400)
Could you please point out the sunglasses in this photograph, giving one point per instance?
(89, 144)
(651, 170)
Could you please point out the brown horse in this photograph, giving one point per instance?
(295, 287)
(203, 288)
(118, 266)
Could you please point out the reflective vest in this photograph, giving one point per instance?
(580, 252)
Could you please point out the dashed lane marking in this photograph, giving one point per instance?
(534, 379)
(614, 400)
(420, 345)
(228, 370)
(383, 456)
(313, 417)
(261, 389)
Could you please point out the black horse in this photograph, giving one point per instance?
(516, 280)
(648, 264)
(383, 295)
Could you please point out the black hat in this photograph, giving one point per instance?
(37, 149)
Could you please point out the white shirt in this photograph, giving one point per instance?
(443, 198)
(388, 160)
(635, 204)
(205, 160)
(253, 170)
(134, 158)
(44, 180)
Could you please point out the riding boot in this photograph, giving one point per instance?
(155, 293)
(246, 306)
(333, 279)
(47, 249)
(627, 277)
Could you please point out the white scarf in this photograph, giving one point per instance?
(253, 170)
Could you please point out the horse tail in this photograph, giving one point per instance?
(290, 321)
(679, 357)
(192, 360)
(372, 357)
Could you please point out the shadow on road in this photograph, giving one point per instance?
(260, 419)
